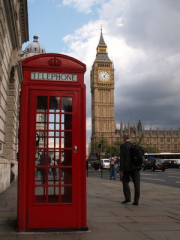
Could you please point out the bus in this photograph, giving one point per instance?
(94, 158)
(172, 160)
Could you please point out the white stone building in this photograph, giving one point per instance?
(34, 48)
(13, 33)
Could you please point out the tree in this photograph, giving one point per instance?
(150, 149)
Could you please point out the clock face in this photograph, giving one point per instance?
(104, 76)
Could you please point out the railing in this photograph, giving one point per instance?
(100, 173)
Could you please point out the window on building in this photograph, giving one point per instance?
(162, 140)
(168, 139)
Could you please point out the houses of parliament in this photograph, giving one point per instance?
(102, 84)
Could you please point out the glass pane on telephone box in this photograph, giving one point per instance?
(53, 136)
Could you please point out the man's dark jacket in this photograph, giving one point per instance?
(125, 158)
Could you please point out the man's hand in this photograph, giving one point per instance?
(121, 174)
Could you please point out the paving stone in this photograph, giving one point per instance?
(8, 237)
(163, 235)
(156, 218)
(4, 220)
(5, 209)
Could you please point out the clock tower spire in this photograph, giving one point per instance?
(102, 95)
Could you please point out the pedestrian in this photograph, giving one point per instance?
(112, 169)
(117, 166)
(54, 163)
(129, 171)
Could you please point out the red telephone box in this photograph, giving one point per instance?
(52, 151)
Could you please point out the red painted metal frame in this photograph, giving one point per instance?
(58, 64)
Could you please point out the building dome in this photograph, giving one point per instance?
(34, 48)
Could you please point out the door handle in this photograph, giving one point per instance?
(75, 149)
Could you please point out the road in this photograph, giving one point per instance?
(171, 177)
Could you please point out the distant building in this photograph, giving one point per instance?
(13, 33)
(164, 140)
(34, 48)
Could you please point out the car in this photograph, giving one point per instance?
(105, 163)
(154, 164)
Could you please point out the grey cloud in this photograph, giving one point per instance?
(152, 24)
(149, 89)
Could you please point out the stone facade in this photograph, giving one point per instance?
(162, 140)
(13, 33)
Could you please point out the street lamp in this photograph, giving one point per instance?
(102, 142)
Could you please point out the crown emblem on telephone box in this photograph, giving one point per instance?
(54, 62)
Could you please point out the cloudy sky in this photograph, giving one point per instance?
(143, 39)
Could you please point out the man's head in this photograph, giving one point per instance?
(126, 137)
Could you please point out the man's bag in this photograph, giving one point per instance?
(136, 155)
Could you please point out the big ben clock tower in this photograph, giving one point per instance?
(102, 95)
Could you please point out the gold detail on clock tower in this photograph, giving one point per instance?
(102, 95)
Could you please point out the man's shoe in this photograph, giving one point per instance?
(125, 201)
(135, 203)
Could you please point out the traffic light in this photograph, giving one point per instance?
(99, 147)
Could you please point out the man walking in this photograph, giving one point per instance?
(127, 170)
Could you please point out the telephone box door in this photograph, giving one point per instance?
(53, 154)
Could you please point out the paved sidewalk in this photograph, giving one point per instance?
(156, 218)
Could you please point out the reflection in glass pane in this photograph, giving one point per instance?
(40, 195)
(62, 175)
(54, 103)
(41, 126)
(67, 175)
(62, 121)
(41, 103)
(41, 121)
(67, 157)
(41, 175)
(66, 121)
(66, 194)
(53, 194)
(68, 139)
(62, 139)
(62, 158)
(53, 176)
(41, 139)
(54, 126)
(41, 158)
(54, 134)
(54, 156)
(53, 142)
(66, 104)
(54, 118)
(38, 180)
